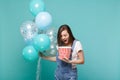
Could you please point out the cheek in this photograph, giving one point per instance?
(67, 37)
(61, 39)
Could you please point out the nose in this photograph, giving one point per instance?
(63, 37)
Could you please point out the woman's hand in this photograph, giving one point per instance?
(67, 60)
(40, 54)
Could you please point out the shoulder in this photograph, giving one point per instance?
(78, 42)
(78, 45)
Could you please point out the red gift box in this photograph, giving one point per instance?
(64, 52)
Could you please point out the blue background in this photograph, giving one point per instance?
(96, 23)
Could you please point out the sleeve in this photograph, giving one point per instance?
(78, 46)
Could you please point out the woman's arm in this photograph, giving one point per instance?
(48, 57)
(80, 59)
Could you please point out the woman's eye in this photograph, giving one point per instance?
(65, 35)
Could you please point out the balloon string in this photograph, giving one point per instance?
(38, 69)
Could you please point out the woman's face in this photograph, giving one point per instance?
(65, 37)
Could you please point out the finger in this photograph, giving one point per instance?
(65, 59)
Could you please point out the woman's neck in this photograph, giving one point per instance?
(69, 44)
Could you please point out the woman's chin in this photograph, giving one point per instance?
(66, 43)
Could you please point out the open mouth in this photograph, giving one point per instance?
(65, 41)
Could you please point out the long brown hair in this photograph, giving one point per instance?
(62, 28)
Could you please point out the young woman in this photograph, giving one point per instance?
(66, 68)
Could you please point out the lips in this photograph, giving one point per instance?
(64, 41)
